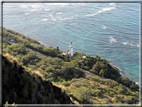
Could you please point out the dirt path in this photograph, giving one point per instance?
(40, 54)
(37, 53)
(28, 49)
(89, 73)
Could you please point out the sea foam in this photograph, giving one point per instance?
(112, 4)
(107, 9)
(125, 43)
(27, 13)
(47, 9)
(112, 39)
(104, 27)
(130, 44)
(59, 13)
(138, 45)
(60, 4)
(24, 6)
(44, 19)
(66, 18)
(101, 11)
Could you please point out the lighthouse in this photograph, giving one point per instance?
(71, 50)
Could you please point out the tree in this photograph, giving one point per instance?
(103, 72)
(66, 58)
(57, 49)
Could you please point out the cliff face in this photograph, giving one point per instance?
(22, 88)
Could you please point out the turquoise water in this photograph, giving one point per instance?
(110, 30)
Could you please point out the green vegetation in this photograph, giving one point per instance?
(101, 67)
(30, 43)
(21, 87)
(103, 91)
(41, 61)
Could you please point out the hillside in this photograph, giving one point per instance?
(22, 88)
(93, 82)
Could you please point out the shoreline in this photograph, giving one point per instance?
(120, 71)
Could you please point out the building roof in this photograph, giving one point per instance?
(68, 51)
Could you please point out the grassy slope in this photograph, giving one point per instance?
(91, 89)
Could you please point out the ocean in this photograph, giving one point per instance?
(110, 30)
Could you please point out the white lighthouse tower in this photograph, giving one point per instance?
(71, 50)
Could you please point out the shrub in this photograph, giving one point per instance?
(16, 49)
(86, 67)
(95, 78)
(98, 93)
(83, 94)
(111, 94)
(67, 83)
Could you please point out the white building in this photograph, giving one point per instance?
(71, 49)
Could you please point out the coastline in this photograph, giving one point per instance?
(120, 71)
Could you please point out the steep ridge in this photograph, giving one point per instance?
(20, 87)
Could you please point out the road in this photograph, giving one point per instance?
(89, 73)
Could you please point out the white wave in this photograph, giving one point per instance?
(61, 4)
(44, 19)
(50, 15)
(27, 13)
(34, 10)
(138, 45)
(132, 44)
(34, 7)
(92, 14)
(24, 6)
(37, 5)
(125, 43)
(54, 19)
(59, 13)
(100, 11)
(64, 4)
(104, 27)
(47, 9)
(112, 39)
(66, 18)
(107, 9)
(78, 4)
(112, 4)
